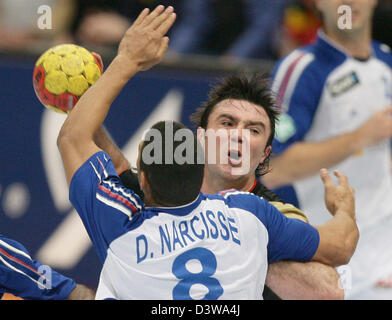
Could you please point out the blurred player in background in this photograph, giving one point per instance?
(125, 233)
(336, 96)
(26, 278)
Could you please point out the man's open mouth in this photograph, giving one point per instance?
(235, 157)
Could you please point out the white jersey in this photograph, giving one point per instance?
(324, 92)
(217, 247)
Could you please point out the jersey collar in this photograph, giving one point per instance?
(327, 42)
(180, 210)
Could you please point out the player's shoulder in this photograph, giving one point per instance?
(240, 199)
(383, 52)
(312, 61)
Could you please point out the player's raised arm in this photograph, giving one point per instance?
(339, 236)
(142, 47)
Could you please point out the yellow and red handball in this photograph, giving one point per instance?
(63, 73)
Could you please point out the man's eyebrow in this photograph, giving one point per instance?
(226, 115)
(256, 123)
(248, 123)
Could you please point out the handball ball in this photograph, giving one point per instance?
(63, 73)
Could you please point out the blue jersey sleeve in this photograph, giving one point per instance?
(298, 86)
(105, 206)
(26, 278)
(288, 239)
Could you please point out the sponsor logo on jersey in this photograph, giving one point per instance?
(343, 84)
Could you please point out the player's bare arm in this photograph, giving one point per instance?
(339, 236)
(105, 142)
(299, 280)
(142, 46)
(310, 157)
(81, 292)
(292, 280)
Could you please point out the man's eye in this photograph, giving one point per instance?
(255, 131)
(226, 123)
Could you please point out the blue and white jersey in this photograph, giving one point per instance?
(24, 277)
(217, 247)
(325, 92)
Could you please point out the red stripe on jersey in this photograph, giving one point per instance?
(254, 185)
(118, 197)
(226, 191)
(11, 257)
(286, 79)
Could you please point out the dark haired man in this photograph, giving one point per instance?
(240, 103)
(336, 97)
(157, 253)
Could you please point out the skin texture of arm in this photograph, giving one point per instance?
(81, 292)
(104, 141)
(338, 236)
(302, 281)
(292, 280)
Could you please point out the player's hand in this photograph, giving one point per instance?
(338, 197)
(145, 42)
(377, 128)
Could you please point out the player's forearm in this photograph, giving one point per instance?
(292, 280)
(103, 140)
(304, 159)
(81, 292)
(338, 240)
(92, 108)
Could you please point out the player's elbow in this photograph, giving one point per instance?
(69, 137)
(350, 245)
(337, 248)
(64, 139)
(68, 142)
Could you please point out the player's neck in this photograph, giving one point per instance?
(215, 185)
(356, 43)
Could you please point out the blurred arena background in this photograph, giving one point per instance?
(211, 38)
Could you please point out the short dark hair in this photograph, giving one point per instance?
(173, 183)
(255, 89)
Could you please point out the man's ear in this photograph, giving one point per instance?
(143, 181)
(267, 153)
(201, 136)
